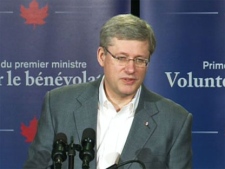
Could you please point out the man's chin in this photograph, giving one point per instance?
(127, 93)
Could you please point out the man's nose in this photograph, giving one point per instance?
(130, 66)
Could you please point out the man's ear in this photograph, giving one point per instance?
(101, 56)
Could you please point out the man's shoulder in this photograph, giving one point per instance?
(165, 104)
(76, 87)
(75, 90)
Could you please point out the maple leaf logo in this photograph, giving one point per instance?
(29, 131)
(34, 15)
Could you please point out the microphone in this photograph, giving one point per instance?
(59, 150)
(116, 166)
(87, 152)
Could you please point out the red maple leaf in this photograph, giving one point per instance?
(34, 15)
(29, 131)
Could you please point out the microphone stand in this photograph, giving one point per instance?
(71, 153)
(58, 164)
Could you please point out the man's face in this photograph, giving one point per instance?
(123, 80)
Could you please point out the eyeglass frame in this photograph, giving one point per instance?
(135, 60)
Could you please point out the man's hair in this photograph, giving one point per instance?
(127, 27)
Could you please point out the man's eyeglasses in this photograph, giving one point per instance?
(123, 60)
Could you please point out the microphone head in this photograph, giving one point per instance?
(89, 134)
(87, 153)
(59, 148)
(61, 137)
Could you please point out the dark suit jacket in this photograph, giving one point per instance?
(164, 143)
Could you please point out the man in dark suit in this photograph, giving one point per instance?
(131, 122)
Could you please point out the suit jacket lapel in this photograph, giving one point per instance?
(85, 115)
(142, 127)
